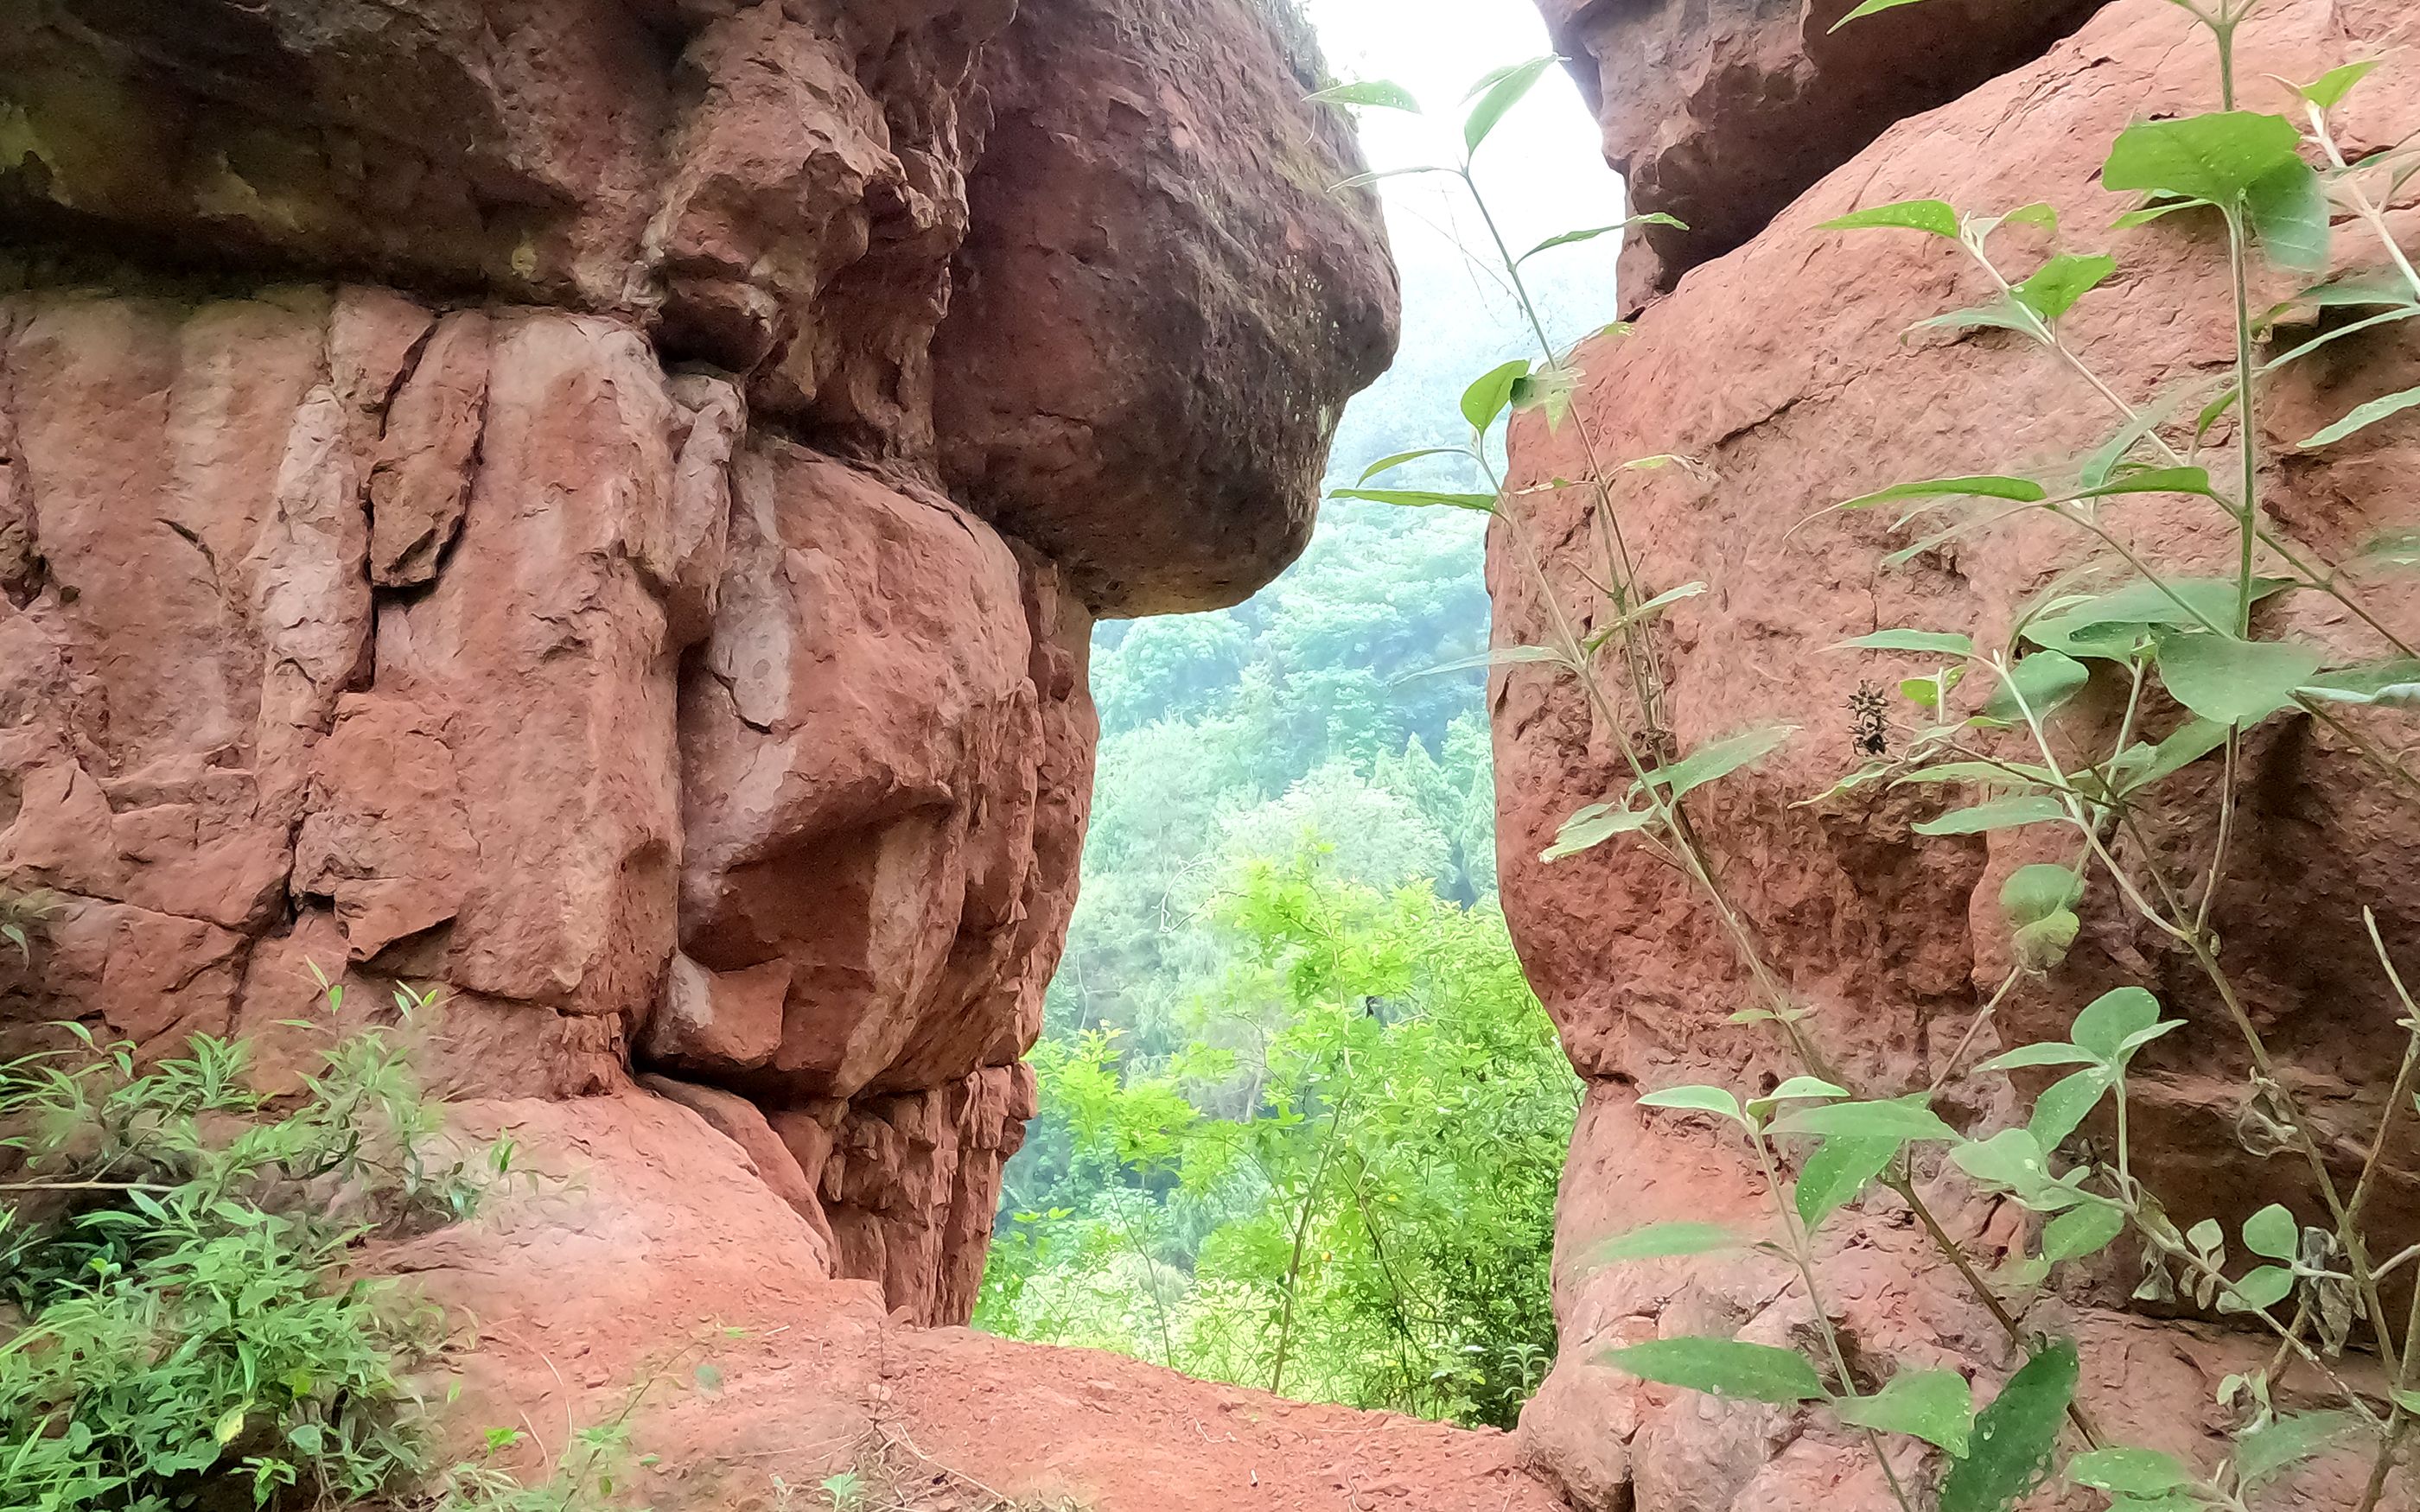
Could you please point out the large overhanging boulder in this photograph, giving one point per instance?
(472, 516)
(1161, 308)
(1719, 112)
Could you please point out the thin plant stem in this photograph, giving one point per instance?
(1302, 1231)
(1802, 1254)
(2248, 500)
(2324, 581)
(2398, 1420)
(2404, 1079)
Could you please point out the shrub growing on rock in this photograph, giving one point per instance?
(179, 1330)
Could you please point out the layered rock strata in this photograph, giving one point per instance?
(592, 513)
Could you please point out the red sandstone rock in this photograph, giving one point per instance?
(646, 1240)
(879, 844)
(1720, 114)
(422, 480)
(480, 665)
(1891, 938)
(1153, 191)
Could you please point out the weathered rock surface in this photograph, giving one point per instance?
(1720, 112)
(1154, 308)
(1892, 939)
(646, 1240)
(473, 532)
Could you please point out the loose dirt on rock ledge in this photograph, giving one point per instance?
(648, 1239)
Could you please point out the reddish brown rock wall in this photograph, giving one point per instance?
(1782, 367)
(1720, 112)
(472, 516)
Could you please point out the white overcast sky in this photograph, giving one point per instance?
(1543, 171)
(1542, 168)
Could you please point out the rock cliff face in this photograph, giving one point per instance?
(597, 507)
(1721, 112)
(1782, 365)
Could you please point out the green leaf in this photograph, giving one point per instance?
(1695, 1100)
(1798, 1088)
(2234, 682)
(2378, 682)
(1929, 642)
(2363, 418)
(2040, 1055)
(1836, 1172)
(2128, 1472)
(2328, 90)
(2037, 214)
(2191, 741)
(2024, 490)
(2044, 682)
(1491, 394)
(2015, 774)
(1936, 216)
(2289, 1440)
(2289, 215)
(230, 1424)
(2039, 891)
(1592, 233)
(1894, 1121)
(2011, 1158)
(2054, 287)
(2066, 1104)
(1722, 1368)
(1380, 92)
(1719, 759)
(1932, 1404)
(1549, 389)
(2339, 334)
(1419, 498)
(2396, 546)
(1868, 9)
(2273, 1232)
(2001, 813)
(1657, 1242)
(2157, 209)
(2153, 480)
(1363, 180)
(1593, 826)
(1925, 692)
(2045, 943)
(2097, 468)
(2015, 1437)
(1502, 96)
(1389, 463)
(1500, 656)
(2082, 1231)
(2356, 292)
(709, 1379)
(2112, 624)
(2216, 156)
(1660, 602)
(2111, 1019)
(2263, 1286)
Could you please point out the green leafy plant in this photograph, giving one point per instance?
(1340, 1187)
(2275, 188)
(181, 1326)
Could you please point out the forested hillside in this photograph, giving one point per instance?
(1301, 1117)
